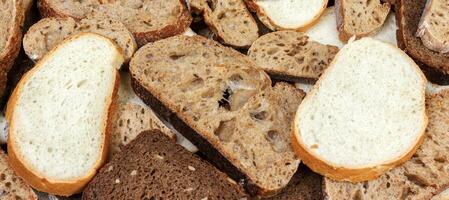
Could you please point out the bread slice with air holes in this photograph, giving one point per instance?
(433, 28)
(12, 186)
(291, 55)
(215, 97)
(72, 110)
(74, 9)
(363, 117)
(48, 32)
(288, 14)
(360, 17)
(425, 176)
(229, 19)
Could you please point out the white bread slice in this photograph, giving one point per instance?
(365, 115)
(433, 28)
(288, 14)
(59, 114)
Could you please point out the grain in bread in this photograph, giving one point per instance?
(433, 28)
(12, 186)
(67, 8)
(153, 167)
(291, 55)
(365, 115)
(59, 114)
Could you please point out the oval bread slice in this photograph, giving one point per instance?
(59, 114)
(365, 115)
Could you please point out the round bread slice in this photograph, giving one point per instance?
(288, 14)
(365, 115)
(59, 114)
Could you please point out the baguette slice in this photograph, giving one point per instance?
(422, 177)
(433, 28)
(216, 98)
(12, 186)
(363, 117)
(154, 167)
(48, 32)
(360, 17)
(291, 55)
(229, 19)
(288, 14)
(71, 8)
(59, 114)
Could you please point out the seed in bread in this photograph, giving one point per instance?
(360, 17)
(433, 28)
(291, 55)
(363, 117)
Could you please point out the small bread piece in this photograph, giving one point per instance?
(433, 28)
(360, 17)
(288, 14)
(153, 167)
(420, 178)
(229, 19)
(48, 32)
(363, 117)
(68, 98)
(291, 55)
(217, 99)
(67, 8)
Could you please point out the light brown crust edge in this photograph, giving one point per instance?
(47, 11)
(341, 173)
(33, 179)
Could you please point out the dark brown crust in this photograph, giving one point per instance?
(289, 78)
(407, 21)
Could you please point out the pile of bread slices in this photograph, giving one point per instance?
(224, 99)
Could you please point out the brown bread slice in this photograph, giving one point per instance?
(213, 96)
(433, 28)
(12, 186)
(48, 32)
(67, 8)
(230, 20)
(425, 175)
(291, 55)
(360, 17)
(153, 167)
(408, 17)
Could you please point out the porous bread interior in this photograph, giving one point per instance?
(363, 17)
(60, 112)
(434, 22)
(367, 109)
(75, 9)
(7, 19)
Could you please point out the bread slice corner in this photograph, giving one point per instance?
(432, 28)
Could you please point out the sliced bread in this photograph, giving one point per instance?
(48, 32)
(59, 114)
(153, 167)
(433, 27)
(288, 14)
(229, 19)
(291, 55)
(425, 175)
(216, 98)
(74, 9)
(365, 115)
(360, 17)
(408, 16)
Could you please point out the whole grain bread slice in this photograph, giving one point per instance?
(433, 28)
(422, 177)
(408, 16)
(291, 55)
(153, 167)
(71, 8)
(216, 98)
(229, 19)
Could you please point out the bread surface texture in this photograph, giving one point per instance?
(227, 102)
(153, 167)
(345, 132)
(59, 122)
(67, 8)
(433, 28)
(425, 176)
(291, 54)
(12, 186)
(360, 17)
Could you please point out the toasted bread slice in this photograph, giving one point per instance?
(12, 186)
(70, 8)
(59, 114)
(288, 14)
(360, 17)
(433, 27)
(358, 122)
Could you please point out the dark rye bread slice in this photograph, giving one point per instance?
(216, 98)
(153, 167)
(67, 8)
(425, 175)
(291, 55)
(408, 16)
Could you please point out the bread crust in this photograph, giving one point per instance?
(362, 173)
(34, 179)
(47, 11)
